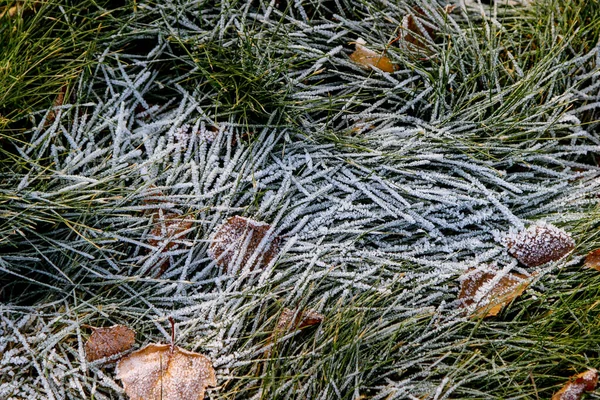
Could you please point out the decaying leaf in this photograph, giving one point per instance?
(415, 30)
(106, 342)
(235, 242)
(367, 58)
(491, 298)
(291, 320)
(592, 260)
(58, 101)
(577, 386)
(539, 244)
(165, 372)
(169, 233)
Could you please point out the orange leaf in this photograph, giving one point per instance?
(165, 372)
(238, 239)
(592, 260)
(106, 342)
(577, 385)
(502, 293)
(367, 58)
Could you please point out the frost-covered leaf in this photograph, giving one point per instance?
(367, 58)
(165, 372)
(238, 239)
(486, 296)
(577, 386)
(168, 234)
(592, 260)
(291, 319)
(106, 342)
(539, 244)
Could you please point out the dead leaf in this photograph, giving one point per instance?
(367, 58)
(577, 385)
(238, 239)
(592, 260)
(165, 372)
(415, 30)
(539, 244)
(169, 233)
(290, 320)
(106, 342)
(508, 288)
(58, 101)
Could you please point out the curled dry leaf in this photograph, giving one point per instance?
(165, 372)
(577, 386)
(539, 244)
(106, 342)
(592, 260)
(168, 234)
(415, 30)
(291, 320)
(494, 297)
(367, 58)
(238, 239)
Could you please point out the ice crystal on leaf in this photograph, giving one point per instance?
(577, 386)
(240, 240)
(106, 342)
(165, 372)
(539, 244)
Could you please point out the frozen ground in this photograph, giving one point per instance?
(384, 188)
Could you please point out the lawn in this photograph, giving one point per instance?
(226, 165)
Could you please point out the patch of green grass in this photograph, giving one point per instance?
(46, 46)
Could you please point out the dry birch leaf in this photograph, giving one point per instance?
(106, 342)
(539, 244)
(577, 385)
(169, 233)
(367, 58)
(292, 320)
(592, 260)
(494, 298)
(238, 239)
(165, 372)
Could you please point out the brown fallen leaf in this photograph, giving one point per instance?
(367, 58)
(539, 244)
(106, 342)
(238, 239)
(58, 101)
(592, 260)
(290, 320)
(577, 385)
(415, 30)
(165, 372)
(168, 234)
(508, 288)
